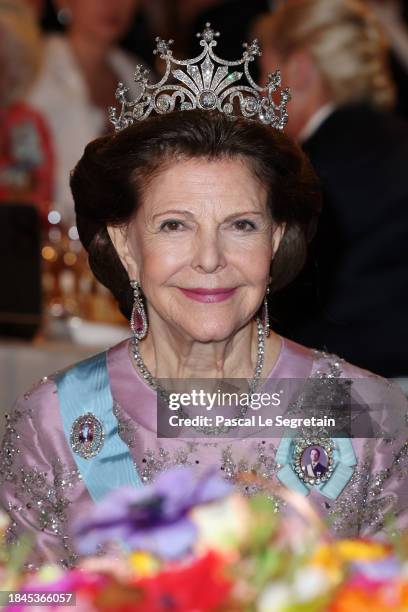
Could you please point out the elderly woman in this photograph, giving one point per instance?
(190, 217)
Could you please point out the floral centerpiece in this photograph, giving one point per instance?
(188, 544)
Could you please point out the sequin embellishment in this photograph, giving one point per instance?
(87, 436)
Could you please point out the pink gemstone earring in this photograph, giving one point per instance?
(138, 319)
(265, 314)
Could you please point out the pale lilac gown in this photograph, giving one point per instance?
(42, 489)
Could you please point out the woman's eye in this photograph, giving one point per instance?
(244, 225)
(171, 226)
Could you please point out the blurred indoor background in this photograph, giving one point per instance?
(60, 62)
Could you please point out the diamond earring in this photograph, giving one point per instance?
(138, 319)
(265, 314)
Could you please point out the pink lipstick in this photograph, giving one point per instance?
(208, 296)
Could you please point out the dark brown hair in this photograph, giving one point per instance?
(108, 182)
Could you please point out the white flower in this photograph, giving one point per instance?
(275, 598)
(222, 526)
(309, 582)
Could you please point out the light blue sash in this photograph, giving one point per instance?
(82, 389)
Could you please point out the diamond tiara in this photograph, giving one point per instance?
(204, 82)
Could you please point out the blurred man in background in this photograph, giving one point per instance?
(353, 294)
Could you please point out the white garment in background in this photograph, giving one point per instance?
(61, 95)
(316, 120)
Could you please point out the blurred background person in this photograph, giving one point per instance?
(26, 158)
(393, 16)
(37, 6)
(181, 20)
(77, 84)
(151, 19)
(334, 58)
(234, 18)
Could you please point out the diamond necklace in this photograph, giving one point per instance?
(165, 395)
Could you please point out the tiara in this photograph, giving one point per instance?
(204, 82)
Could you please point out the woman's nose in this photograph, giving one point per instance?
(208, 251)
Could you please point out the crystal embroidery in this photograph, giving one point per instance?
(44, 380)
(155, 462)
(126, 427)
(36, 497)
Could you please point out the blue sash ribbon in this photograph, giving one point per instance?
(82, 389)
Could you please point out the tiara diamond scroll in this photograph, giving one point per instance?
(205, 82)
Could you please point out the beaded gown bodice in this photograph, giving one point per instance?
(42, 488)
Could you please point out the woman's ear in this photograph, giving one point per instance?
(277, 236)
(119, 238)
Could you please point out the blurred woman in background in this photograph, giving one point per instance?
(26, 160)
(78, 81)
(354, 295)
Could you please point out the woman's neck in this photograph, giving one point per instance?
(168, 354)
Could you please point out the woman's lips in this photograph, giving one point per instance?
(208, 296)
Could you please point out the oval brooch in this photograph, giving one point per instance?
(326, 464)
(313, 460)
(87, 436)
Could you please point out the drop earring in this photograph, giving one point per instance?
(265, 313)
(138, 319)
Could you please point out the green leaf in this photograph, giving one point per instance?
(267, 566)
(314, 605)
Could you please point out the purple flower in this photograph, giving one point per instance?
(380, 570)
(154, 518)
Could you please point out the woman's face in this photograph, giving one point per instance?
(104, 21)
(201, 244)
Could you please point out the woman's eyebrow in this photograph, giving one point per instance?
(174, 211)
(188, 213)
(243, 213)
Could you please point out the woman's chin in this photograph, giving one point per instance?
(210, 331)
